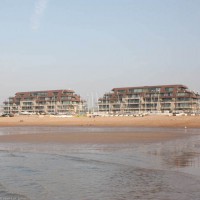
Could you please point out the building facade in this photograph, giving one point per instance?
(161, 98)
(45, 102)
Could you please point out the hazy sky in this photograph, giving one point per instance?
(92, 46)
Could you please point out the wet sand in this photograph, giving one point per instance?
(91, 138)
(91, 162)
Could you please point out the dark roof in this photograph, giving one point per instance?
(48, 91)
(138, 87)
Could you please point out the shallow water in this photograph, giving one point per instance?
(167, 170)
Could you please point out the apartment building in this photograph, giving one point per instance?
(45, 102)
(159, 98)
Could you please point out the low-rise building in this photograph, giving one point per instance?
(160, 98)
(45, 102)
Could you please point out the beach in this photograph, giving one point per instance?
(146, 121)
(151, 157)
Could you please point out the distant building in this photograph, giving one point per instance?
(46, 102)
(160, 98)
(1, 109)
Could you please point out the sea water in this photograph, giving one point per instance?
(168, 170)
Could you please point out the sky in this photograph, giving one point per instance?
(92, 46)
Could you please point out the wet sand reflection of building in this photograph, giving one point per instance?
(178, 156)
(186, 159)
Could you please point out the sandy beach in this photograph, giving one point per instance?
(147, 121)
(100, 137)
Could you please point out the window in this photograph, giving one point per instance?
(66, 102)
(184, 105)
(168, 94)
(153, 89)
(42, 98)
(28, 99)
(167, 99)
(184, 99)
(27, 103)
(181, 94)
(68, 93)
(35, 94)
(169, 89)
(136, 90)
(121, 91)
(116, 106)
(166, 105)
(133, 106)
(133, 101)
(66, 98)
